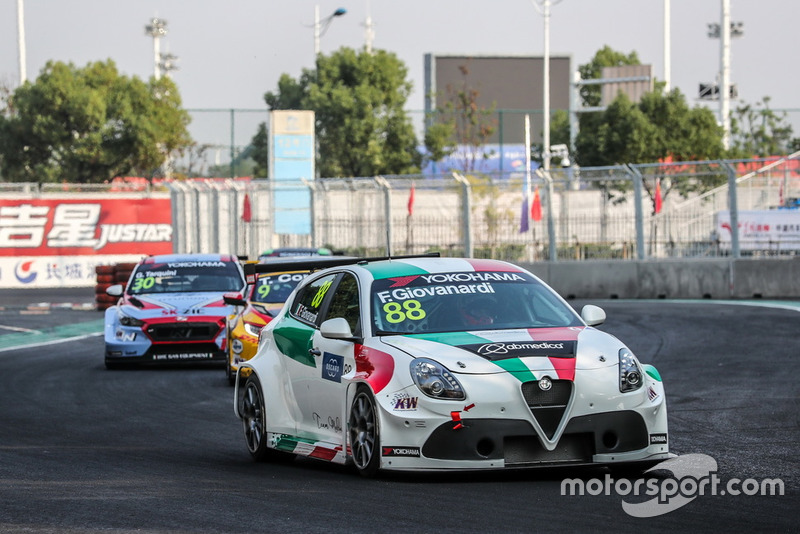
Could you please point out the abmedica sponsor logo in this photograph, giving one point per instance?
(693, 475)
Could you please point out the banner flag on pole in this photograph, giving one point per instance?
(658, 196)
(411, 200)
(536, 207)
(247, 213)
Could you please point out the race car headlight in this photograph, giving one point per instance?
(253, 329)
(434, 380)
(630, 373)
(127, 320)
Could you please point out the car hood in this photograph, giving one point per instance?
(191, 304)
(538, 350)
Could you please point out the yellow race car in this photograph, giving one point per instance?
(262, 300)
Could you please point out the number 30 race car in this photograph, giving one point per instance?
(172, 310)
(428, 363)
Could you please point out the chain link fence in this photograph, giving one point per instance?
(587, 213)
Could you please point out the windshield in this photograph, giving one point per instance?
(185, 277)
(275, 288)
(467, 301)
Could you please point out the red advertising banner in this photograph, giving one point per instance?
(78, 227)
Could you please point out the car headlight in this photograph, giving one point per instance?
(630, 373)
(253, 329)
(434, 380)
(127, 320)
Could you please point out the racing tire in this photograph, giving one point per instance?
(364, 433)
(254, 421)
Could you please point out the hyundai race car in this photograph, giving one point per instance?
(427, 363)
(172, 310)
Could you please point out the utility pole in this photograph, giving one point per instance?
(369, 32)
(546, 141)
(23, 75)
(667, 45)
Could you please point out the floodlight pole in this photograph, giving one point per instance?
(725, 73)
(156, 29)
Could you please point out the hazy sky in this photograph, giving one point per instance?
(231, 52)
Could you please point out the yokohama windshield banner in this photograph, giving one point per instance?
(85, 227)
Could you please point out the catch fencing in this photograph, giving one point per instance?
(586, 213)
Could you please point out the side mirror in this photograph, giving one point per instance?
(593, 315)
(115, 290)
(336, 328)
(234, 299)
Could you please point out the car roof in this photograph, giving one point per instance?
(168, 258)
(289, 252)
(389, 266)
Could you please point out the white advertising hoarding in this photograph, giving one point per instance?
(762, 230)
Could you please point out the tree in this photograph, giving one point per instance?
(461, 124)
(660, 126)
(759, 131)
(605, 57)
(260, 152)
(358, 98)
(90, 124)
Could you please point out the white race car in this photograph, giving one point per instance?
(427, 363)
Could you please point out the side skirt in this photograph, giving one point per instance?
(322, 450)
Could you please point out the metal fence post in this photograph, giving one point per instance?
(312, 193)
(733, 208)
(213, 208)
(387, 210)
(233, 208)
(466, 210)
(551, 226)
(638, 210)
(178, 225)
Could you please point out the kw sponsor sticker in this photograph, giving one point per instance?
(406, 404)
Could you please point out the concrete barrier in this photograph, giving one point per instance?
(713, 278)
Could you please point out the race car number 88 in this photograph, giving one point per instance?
(411, 310)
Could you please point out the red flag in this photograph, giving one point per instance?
(247, 213)
(658, 196)
(536, 206)
(411, 200)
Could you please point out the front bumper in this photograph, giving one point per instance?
(595, 427)
(198, 342)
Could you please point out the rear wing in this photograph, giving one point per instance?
(251, 270)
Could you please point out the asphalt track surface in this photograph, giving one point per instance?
(87, 450)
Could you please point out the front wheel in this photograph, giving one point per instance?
(254, 421)
(364, 433)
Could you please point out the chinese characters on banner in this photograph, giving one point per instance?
(57, 242)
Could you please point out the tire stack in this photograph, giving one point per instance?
(108, 275)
